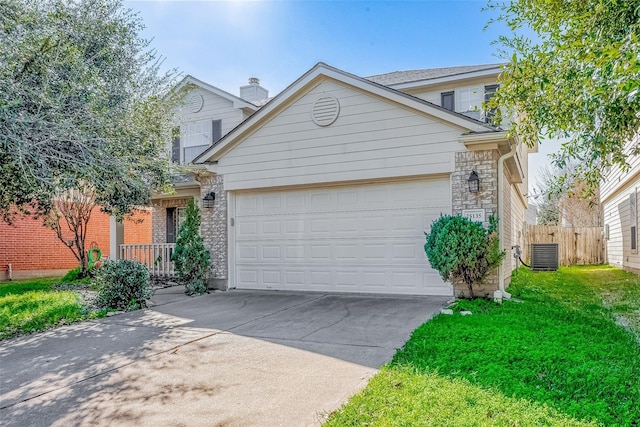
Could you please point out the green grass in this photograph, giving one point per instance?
(557, 358)
(32, 305)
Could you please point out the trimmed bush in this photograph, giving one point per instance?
(463, 250)
(123, 285)
(191, 259)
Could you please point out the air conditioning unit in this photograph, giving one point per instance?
(544, 256)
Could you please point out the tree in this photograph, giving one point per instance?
(82, 102)
(463, 250)
(191, 259)
(563, 199)
(577, 76)
(69, 219)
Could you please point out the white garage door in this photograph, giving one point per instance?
(365, 238)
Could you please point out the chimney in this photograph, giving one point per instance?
(253, 92)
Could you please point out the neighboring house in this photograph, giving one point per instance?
(619, 193)
(331, 185)
(33, 250)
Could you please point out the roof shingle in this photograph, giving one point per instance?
(399, 77)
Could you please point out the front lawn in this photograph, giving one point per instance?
(567, 355)
(33, 305)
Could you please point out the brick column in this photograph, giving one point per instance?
(214, 229)
(485, 163)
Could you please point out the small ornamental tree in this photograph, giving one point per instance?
(463, 250)
(191, 259)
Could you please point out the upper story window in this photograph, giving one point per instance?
(194, 138)
(447, 100)
(489, 92)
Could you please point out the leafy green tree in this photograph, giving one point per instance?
(573, 72)
(191, 259)
(463, 250)
(82, 101)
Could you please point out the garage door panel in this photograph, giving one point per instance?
(367, 252)
(366, 238)
(393, 222)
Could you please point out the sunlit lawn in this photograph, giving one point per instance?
(559, 357)
(32, 305)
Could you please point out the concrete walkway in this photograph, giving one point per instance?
(235, 358)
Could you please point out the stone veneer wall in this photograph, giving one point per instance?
(214, 229)
(485, 163)
(159, 217)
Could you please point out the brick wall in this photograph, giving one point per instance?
(34, 250)
(137, 227)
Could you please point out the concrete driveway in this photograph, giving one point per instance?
(237, 358)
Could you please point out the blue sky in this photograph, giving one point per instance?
(226, 42)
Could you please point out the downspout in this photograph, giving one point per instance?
(501, 275)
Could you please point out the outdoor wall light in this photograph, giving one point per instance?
(474, 182)
(208, 200)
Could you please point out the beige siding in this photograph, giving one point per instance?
(370, 139)
(214, 107)
(508, 221)
(513, 217)
(617, 215)
(614, 194)
(615, 178)
(469, 96)
(517, 214)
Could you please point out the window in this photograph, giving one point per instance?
(489, 92)
(447, 100)
(175, 145)
(216, 130)
(198, 136)
(171, 225)
(175, 219)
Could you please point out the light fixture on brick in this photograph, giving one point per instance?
(208, 200)
(474, 182)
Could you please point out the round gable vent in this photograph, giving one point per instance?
(325, 111)
(195, 102)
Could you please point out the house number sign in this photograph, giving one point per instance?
(477, 215)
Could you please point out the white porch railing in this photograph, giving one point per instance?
(156, 256)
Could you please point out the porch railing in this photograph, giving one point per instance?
(156, 256)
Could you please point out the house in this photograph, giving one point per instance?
(331, 184)
(29, 249)
(619, 199)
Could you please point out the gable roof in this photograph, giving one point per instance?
(237, 101)
(410, 76)
(322, 70)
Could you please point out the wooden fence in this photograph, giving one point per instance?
(580, 245)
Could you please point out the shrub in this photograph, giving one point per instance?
(72, 275)
(123, 285)
(463, 250)
(191, 259)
